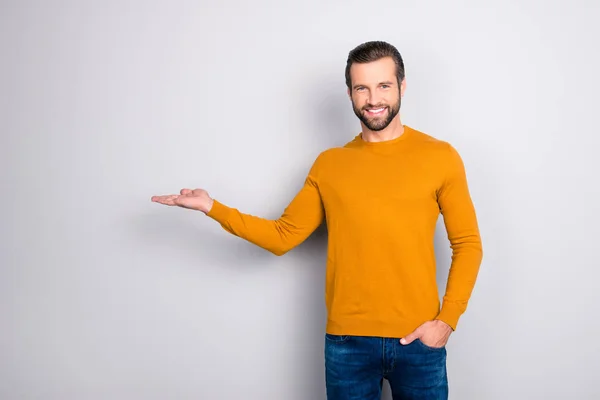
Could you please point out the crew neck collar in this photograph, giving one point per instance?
(407, 132)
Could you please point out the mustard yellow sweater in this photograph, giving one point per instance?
(381, 201)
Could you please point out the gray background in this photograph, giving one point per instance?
(105, 295)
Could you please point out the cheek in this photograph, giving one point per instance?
(359, 101)
(391, 99)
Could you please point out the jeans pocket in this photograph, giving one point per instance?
(430, 348)
(336, 338)
(423, 369)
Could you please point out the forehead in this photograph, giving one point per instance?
(373, 72)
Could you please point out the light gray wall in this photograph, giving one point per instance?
(105, 295)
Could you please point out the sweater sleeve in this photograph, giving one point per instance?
(462, 230)
(299, 219)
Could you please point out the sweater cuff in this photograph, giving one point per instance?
(450, 313)
(219, 212)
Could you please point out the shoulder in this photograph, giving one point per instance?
(331, 154)
(329, 160)
(429, 141)
(322, 160)
(434, 146)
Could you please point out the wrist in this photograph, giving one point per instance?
(209, 206)
(444, 324)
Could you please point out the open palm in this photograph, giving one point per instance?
(197, 199)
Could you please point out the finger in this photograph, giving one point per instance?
(170, 200)
(185, 191)
(167, 199)
(408, 339)
(162, 197)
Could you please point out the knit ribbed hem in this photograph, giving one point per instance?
(450, 314)
(392, 328)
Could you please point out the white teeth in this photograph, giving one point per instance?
(376, 110)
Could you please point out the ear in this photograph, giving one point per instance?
(403, 87)
(349, 94)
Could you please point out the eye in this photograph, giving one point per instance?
(385, 86)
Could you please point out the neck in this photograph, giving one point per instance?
(394, 130)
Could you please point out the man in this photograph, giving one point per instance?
(381, 195)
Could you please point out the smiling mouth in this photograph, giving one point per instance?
(375, 112)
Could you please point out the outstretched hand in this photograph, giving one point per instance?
(432, 333)
(197, 199)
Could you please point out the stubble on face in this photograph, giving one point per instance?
(377, 123)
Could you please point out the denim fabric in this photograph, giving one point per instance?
(355, 367)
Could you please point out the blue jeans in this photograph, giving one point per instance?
(355, 367)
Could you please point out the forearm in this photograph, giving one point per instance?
(467, 254)
(277, 236)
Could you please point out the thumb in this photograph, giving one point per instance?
(185, 191)
(408, 339)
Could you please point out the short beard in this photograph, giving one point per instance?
(376, 124)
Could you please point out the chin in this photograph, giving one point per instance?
(377, 128)
(376, 124)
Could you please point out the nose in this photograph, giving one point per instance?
(374, 98)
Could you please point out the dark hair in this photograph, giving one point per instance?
(373, 51)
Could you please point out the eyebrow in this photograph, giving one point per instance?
(381, 83)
